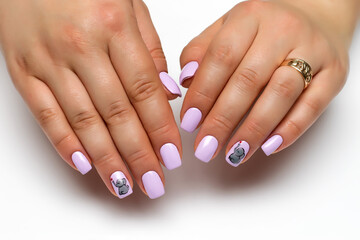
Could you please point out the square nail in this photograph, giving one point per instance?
(191, 120)
(188, 71)
(81, 162)
(120, 184)
(272, 144)
(170, 155)
(153, 185)
(237, 153)
(170, 83)
(206, 148)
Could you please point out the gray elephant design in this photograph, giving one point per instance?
(238, 155)
(121, 185)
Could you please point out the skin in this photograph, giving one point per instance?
(66, 58)
(239, 73)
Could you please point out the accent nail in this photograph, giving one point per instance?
(237, 153)
(121, 184)
(207, 148)
(170, 84)
(171, 156)
(188, 71)
(153, 185)
(81, 162)
(191, 120)
(272, 144)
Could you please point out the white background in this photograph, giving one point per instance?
(311, 189)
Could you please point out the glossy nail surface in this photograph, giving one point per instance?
(207, 148)
(170, 84)
(171, 156)
(188, 71)
(272, 144)
(81, 162)
(191, 119)
(237, 153)
(121, 184)
(153, 185)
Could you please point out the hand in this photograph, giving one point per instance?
(233, 68)
(89, 71)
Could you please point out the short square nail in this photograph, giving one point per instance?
(272, 144)
(120, 184)
(81, 162)
(207, 148)
(237, 153)
(188, 71)
(170, 84)
(171, 156)
(153, 185)
(191, 119)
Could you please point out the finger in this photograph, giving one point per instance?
(125, 127)
(283, 89)
(140, 80)
(244, 86)
(221, 60)
(52, 120)
(193, 54)
(89, 127)
(153, 43)
(324, 87)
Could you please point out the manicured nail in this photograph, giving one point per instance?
(81, 162)
(237, 153)
(191, 119)
(272, 144)
(171, 156)
(154, 187)
(121, 184)
(170, 84)
(188, 71)
(206, 149)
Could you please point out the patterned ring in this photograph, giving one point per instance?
(302, 67)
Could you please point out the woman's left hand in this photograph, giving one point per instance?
(234, 68)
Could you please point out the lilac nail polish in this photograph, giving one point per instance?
(272, 144)
(170, 84)
(170, 155)
(188, 71)
(153, 185)
(81, 162)
(207, 148)
(121, 184)
(237, 153)
(191, 119)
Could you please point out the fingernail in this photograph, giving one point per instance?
(121, 184)
(237, 153)
(191, 119)
(153, 185)
(272, 144)
(81, 162)
(170, 84)
(170, 156)
(206, 149)
(188, 71)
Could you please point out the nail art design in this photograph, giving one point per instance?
(120, 184)
(188, 71)
(170, 84)
(237, 153)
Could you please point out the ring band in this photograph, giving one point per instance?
(302, 67)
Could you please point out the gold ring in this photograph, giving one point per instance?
(302, 67)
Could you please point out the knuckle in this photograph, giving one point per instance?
(74, 38)
(112, 17)
(222, 122)
(116, 113)
(64, 140)
(222, 54)
(246, 79)
(255, 127)
(144, 87)
(162, 129)
(293, 127)
(47, 115)
(84, 120)
(137, 158)
(284, 87)
(157, 53)
(202, 96)
(106, 159)
(315, 106)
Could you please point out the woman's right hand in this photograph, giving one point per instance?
(89, 71)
